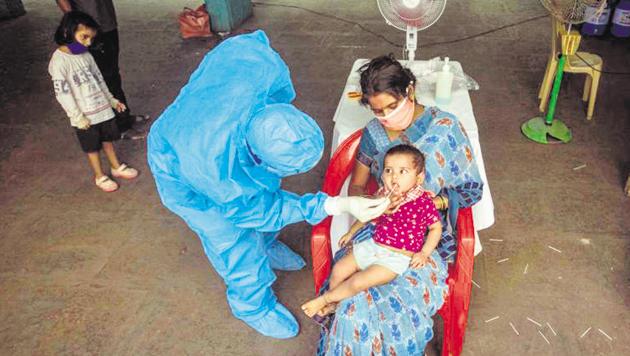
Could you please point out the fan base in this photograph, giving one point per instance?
(537, 130)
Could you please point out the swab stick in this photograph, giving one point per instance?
(533, 321)
(544, 337)
(555, 249)
(603, 333)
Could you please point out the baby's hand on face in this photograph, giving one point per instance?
(395, 198)
(394, 205)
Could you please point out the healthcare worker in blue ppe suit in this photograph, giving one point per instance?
(218, 154)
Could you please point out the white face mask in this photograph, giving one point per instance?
(401, 117)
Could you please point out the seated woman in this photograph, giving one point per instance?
(396, 318)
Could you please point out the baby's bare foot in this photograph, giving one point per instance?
(328, 309)
(311, 307)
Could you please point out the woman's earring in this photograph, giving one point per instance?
(411, 93)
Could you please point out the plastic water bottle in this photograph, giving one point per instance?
(444, 84)
(621, 20)
(596, 22)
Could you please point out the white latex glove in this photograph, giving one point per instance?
(364, 209)
(83, 123)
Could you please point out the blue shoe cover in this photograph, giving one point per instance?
(282, 258)
(277, 323)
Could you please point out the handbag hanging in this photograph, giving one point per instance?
(194, 23)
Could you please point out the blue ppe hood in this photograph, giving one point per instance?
(284, 140)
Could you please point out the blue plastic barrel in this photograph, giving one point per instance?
(227, 15)
(621, 20)
(596, 21)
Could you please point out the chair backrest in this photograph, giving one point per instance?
(569, 41)
(341, 164)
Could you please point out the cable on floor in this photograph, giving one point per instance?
(425, 45)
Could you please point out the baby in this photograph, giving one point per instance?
(398, 240)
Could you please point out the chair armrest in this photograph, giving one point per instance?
(454, 312)
(463, 266)
(321, 252)
(460, 273)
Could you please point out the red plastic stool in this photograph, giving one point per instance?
(454, 312)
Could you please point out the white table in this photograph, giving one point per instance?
(351, 116)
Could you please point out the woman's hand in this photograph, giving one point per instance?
(418, 260)
(441, 202)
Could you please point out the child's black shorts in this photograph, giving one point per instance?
(92, 138)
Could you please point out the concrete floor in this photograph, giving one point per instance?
(83, 272)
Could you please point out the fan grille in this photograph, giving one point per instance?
(415, 13)
(571, 11)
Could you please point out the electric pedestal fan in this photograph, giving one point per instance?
(569, 12)
(411, 16)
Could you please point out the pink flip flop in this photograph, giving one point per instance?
(124, 171)
(106, 184)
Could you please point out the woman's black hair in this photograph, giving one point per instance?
(69, 24)
(416, 156)
(385, 74)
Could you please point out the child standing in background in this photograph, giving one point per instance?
(83, 94)
(398, 240)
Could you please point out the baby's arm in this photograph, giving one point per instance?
(353, 229)
(419, 259)
(433, 238)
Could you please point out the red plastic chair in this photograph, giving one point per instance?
(454, 312)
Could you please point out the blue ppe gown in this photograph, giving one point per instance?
(218, 154)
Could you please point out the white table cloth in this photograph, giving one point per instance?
(351, 116)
